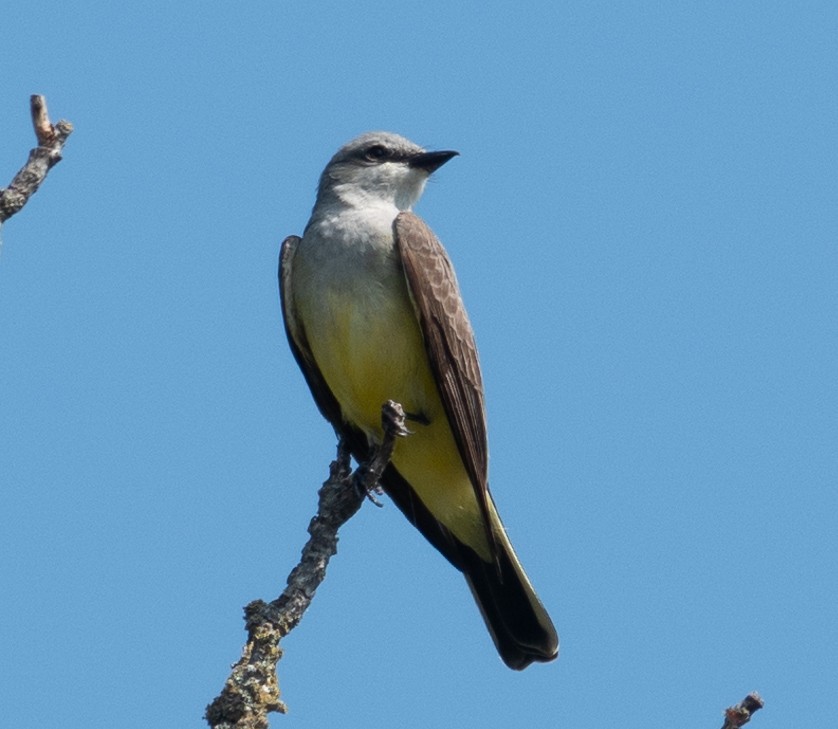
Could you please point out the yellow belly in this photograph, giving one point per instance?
(372, 354)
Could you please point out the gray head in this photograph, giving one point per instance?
(379, 167)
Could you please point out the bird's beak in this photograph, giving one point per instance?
(431, 161)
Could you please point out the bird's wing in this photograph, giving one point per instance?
(449, 342)
(298, 341)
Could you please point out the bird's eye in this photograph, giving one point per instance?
(377, 153)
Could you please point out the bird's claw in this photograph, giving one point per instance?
(393, 419)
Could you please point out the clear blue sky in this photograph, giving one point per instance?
(643, 219)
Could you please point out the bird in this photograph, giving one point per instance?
(373, 313)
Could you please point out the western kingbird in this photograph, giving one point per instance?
(373, 313)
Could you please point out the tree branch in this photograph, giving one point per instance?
(252, 690)
(42, 158)
(739, 715)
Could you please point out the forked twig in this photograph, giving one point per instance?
(42, 158)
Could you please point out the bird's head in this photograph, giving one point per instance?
(379, 167)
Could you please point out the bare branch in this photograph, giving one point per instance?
(252, 690)
(739, 715)
(42, 158)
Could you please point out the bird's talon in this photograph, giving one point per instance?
(372, 494)
(362, 477)
(393, 419)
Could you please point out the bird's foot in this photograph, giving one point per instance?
(393, 418)
(368, 474)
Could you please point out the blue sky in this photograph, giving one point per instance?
(643, 221)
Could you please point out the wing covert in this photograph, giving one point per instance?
(449, 341)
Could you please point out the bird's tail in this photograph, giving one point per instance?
(518, 623)
(516, 619)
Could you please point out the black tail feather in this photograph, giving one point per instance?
(517, 621)
(519, 624)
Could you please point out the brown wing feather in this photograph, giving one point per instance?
(449, 341)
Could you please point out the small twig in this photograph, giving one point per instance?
(42, 158)
(739, 715)
(252, 690)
